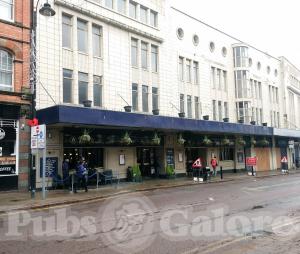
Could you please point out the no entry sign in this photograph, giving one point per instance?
(251, 161)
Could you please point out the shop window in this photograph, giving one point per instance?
(226, 153)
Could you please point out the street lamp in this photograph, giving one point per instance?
(46, 11)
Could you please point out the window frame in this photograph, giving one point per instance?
(147, 18)
(155, 97)
(155, 15)
(145, 98)
(132, 4)
(154, 54)
(72, 84)
(69, 26)
(135, 91)
(86, 35)
(7, 71)
(101, 90)
(81, 82)
(144, 51)
(12, 9)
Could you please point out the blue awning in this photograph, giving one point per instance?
(75, 115)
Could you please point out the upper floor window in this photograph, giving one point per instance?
(82, 35)
(189, 106)
(6, 71)
(132, 9)
(144, 55)
(154, 58)
(144, 14)
(67, 85)
(97, 91)
(66, 31)
(153, 18)
(122, 6)
(135, 97)
(154, 98)
(134, 52)
(97, 40)
(196, 71)
(241, 57)
(109, 3)
(145, 98)
(188, 71)
(82, 87)
(7, 9)
(181, 103)
(180, 68)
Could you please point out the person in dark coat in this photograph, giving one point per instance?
(65, 171)
(81, 176)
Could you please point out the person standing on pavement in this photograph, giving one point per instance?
(81, 175)
(214, 164)
(65, 171)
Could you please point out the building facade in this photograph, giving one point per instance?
(15, 94)
(188, 90)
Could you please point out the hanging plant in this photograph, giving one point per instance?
(85, 137)
(240, 141)
(263, 142)
(206, 141)
(253, 141)
(156, 139)
(180, 140)
(225, 141)
(126, 139)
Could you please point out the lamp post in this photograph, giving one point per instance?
(46, 11)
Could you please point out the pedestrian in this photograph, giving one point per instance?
(65, 171)
(214, 164)
(81, 176)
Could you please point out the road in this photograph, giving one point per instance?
(245, 216)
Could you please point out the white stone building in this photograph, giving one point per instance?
(151, 56)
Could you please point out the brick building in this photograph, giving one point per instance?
(15, 27)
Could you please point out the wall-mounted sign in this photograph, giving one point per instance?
(38, 137)
(2, 134)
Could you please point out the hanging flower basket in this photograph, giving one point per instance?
(225, 141)
(206, 141)
(180, 140)
(264, 142)
(85, 138)
(156, 139)
(126, 139)
(253, 141)
(240, 141)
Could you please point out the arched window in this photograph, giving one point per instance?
(6, 71)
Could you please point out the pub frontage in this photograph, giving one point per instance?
(118, 140)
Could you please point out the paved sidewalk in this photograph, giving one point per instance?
(20, 200)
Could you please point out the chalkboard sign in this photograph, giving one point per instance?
(51, 166)
(170, 157)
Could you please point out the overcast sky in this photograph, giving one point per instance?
(272, 26)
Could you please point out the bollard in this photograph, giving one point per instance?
(252, 170)
(221, 172)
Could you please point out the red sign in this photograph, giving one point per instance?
(251, 161)
(284, 159)
(197, 163)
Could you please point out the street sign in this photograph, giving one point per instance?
(38, 137)
(284, 159)
(251, 161)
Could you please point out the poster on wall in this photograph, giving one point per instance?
(51, 166)
(170, 157)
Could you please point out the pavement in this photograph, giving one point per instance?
(21, 200)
